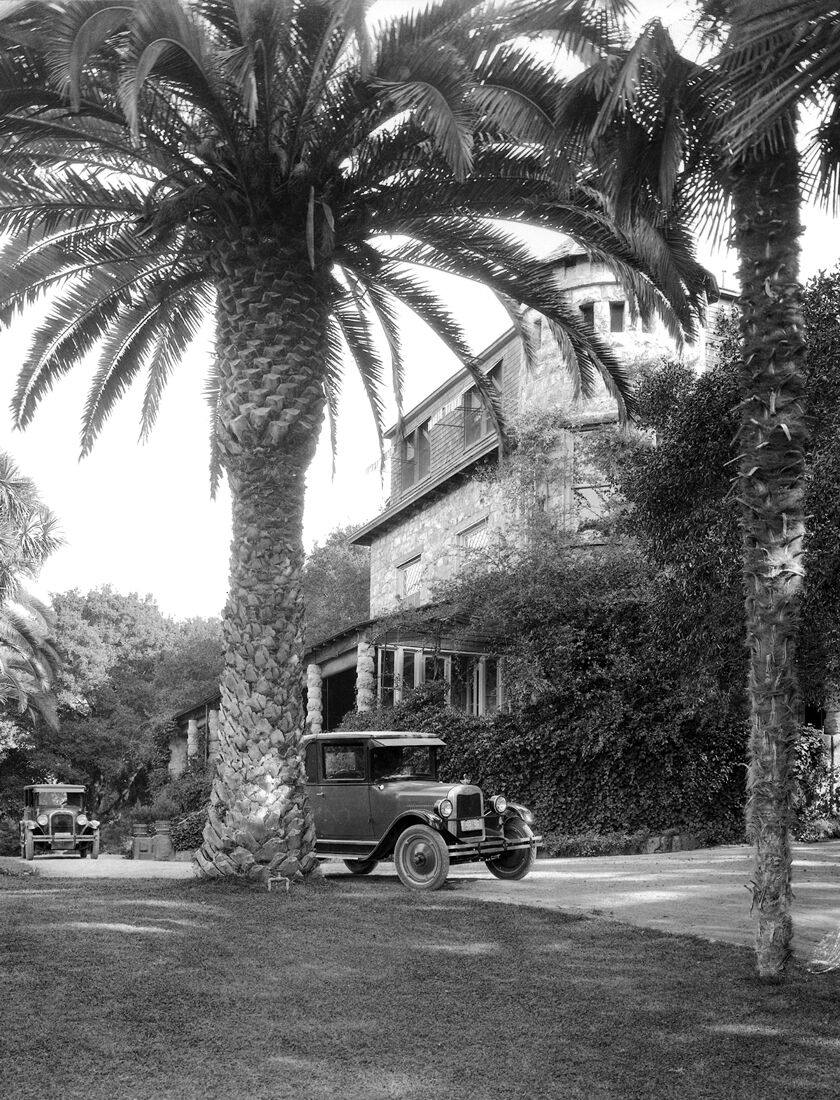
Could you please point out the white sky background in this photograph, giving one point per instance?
(139, 517)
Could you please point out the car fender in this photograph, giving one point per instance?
(399, 825)
(515, 809)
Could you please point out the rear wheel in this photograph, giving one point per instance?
(421, 858)
(360, 866)
(29, 845)
(516, 864)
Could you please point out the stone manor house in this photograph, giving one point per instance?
(442, 508)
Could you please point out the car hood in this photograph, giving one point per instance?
(418, 794)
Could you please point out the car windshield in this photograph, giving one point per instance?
(50, 800)
(404, 762)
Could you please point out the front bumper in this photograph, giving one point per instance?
(61, 843)
(471, 851)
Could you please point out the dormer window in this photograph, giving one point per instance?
(477, 420)
(416, 455)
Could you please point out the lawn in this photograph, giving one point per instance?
(174, 990)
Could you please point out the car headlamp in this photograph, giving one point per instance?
(82, 819)
(445, 807)
(42, 819)
(499, 803)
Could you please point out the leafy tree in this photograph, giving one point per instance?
(336, 585)
(126, 669)
(295, 171)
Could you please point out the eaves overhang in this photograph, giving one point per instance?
(427, 490)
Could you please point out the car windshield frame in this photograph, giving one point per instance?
(386, 763)
(58, 800)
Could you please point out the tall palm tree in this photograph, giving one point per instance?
(28, 535)
(671, 134)
(295, 172)
(774, 59)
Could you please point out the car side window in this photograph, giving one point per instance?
(344, 761)
(310, 762)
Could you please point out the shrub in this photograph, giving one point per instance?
(115, 834)
(164, 808)
(604, 772)
(187, 831)
(9, 837)
(559, 845)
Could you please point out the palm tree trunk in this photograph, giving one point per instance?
(772, 437)
(271, 355)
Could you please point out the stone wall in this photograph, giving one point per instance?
(432, 532)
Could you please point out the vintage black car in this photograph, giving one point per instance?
(376, 796)
(55, 820)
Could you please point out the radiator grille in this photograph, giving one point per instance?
(469, 805)
(61, 823)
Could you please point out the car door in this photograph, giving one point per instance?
(340, 797)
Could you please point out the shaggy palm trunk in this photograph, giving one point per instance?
(772, 438)
(271, 352)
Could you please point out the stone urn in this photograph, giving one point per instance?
(141, 842)
(162, 842)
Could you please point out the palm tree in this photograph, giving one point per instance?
(673, 135)
(774, 59)
(28, 661)
(296, 173)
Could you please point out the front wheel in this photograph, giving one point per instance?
(360, 866)
(29, 845)
(94, 848)
(421, 858)
(83, 851)
(516, 864)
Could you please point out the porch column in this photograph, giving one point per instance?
(365, 677)
(192, 739)
(212, 737)
(314, 703)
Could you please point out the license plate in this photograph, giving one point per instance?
(471, 824)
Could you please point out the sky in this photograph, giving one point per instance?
(139, 516)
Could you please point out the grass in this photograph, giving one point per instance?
(175, 990)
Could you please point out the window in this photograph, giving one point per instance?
(409, 576)
(616, 316)
(477, 420)
(416, 455)
(387, 671)
(474, 539)
(587, 314)
(344, 761)
(476, 684)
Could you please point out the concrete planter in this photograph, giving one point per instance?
(141, 842)
(162, 842)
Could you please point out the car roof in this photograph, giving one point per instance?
(394, 737)
(73, 788)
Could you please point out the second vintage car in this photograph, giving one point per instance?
(376, 796)
(55, 820)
